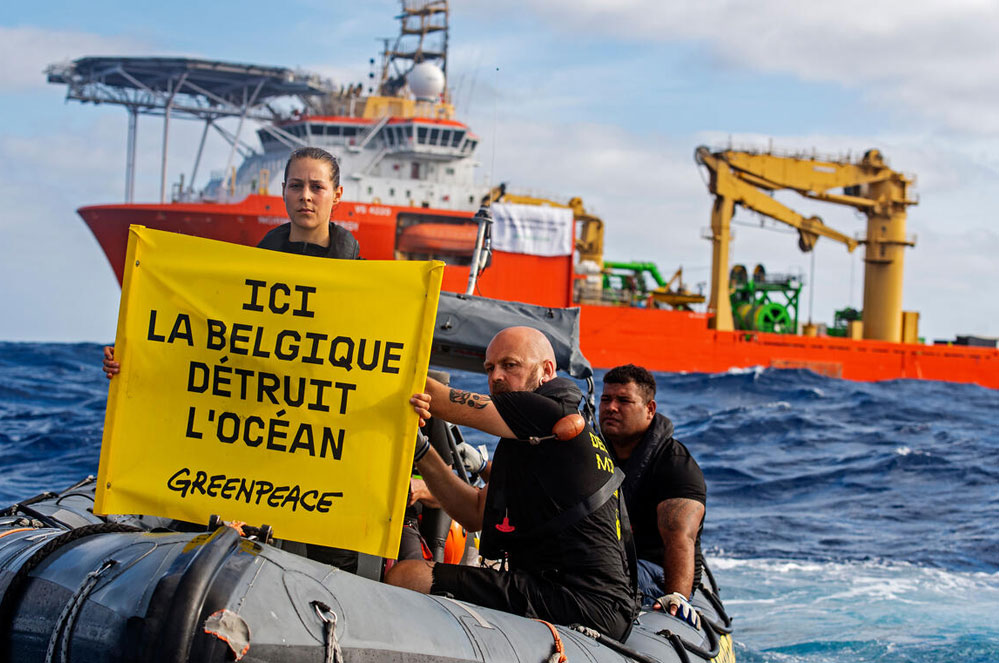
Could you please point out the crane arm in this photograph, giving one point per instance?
(808, 175)
(744, 189)
(808, 227)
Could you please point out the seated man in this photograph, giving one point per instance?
(664, 490)
(549, 510)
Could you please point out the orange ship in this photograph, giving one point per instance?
(407, 167)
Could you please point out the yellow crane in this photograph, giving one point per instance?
(748, 178)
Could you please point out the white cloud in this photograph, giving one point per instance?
(25, 52)
(937, 59)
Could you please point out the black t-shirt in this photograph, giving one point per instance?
(342, 243)
(660, 468)
(531, 484)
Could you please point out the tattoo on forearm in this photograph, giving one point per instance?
(477, 401)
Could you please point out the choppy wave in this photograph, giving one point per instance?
(846, 521)
(789, 610)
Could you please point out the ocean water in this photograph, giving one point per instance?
(846, 521)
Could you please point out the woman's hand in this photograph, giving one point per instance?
(111, 367)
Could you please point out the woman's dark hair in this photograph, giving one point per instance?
(318, 154)
(631, 373)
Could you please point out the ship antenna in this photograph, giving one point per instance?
(492, 148)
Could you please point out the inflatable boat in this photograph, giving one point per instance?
(78, 587)
(75, 586)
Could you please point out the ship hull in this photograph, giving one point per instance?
(660, 340)
(676, 341)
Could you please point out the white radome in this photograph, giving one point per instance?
(426, 81)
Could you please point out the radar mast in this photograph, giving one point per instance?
(423, 36)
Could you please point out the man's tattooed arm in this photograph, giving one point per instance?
(461, 397)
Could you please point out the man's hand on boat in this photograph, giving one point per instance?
(111, 367)
(677, 605)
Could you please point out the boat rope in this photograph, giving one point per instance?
(715, 601)
(682, 646)
(19, 529)
(611, 643)
(328, 617)
(67, 618)
(712, 593)
(678, 644)
(12, 594)
(558, 656)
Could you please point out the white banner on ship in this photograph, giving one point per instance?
(532, 229)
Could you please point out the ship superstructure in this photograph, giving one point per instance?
(398, 144)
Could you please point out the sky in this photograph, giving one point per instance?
(591, 98)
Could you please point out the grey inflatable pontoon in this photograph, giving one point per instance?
(77, 587)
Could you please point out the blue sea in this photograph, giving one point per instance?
(846, 521)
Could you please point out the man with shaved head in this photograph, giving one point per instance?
(550, 511)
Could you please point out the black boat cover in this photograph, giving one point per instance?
(466, 324)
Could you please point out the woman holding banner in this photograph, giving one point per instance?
(311, 189)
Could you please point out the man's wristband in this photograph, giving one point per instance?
(422, 447)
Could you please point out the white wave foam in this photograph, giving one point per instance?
(870, 600)
(756, 371)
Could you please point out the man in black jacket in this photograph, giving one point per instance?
(550, 510)
(664, 490)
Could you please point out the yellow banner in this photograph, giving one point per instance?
(267, 387)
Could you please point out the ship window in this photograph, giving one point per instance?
(421, 135)
(434, 135)
(449, 171)
(398, 134)
(370, 190)
(390, 137)
(391, 192)
(409, 132)
(456, 139)
(445, 137)
(414, 171)
(316, 129)
(350, 131)
(471, 145)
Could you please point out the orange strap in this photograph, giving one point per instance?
(559, 655)
(19, 529)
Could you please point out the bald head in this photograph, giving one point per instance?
(519, 359)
